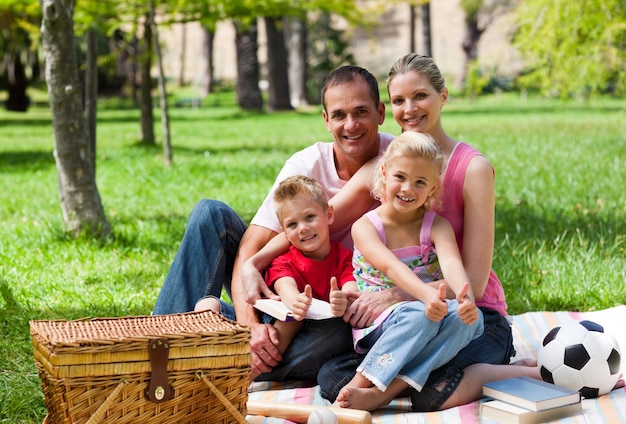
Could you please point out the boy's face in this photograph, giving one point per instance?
(306, 225)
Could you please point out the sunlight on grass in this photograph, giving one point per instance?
(560, 213)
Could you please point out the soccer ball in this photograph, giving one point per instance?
(582, 356)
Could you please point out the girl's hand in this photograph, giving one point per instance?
(338, 299)
(437, 307)
(302, 303)
(467, 309)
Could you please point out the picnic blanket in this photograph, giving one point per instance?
(529, 330)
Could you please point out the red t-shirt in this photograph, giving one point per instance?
(317, 274)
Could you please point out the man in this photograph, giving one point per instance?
(217, 242)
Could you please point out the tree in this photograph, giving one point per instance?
(18, 41)
(479, 14)
(246, 45)
(573, 49)
(278, 75)
(80, 200)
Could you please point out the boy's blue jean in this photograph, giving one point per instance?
(494, 346)
(203, 266)
(411, 346)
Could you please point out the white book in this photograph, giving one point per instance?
(507, 413)
(319, 309)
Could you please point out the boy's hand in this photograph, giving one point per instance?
(338, 299)
(437, 307)
(468, 312)
(302, 303)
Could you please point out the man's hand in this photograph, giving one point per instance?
(253, 284)
(467, 309)
(302, 303)
(264, 350)
(338, 299)
(367, 306)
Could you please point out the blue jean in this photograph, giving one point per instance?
(203, 266)
(204, 262)
(411, 346)
(494, 346)
(317, 342)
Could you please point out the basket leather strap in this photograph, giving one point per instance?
(229, 406)
(159, 389)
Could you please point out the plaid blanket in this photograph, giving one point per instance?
(528, 331)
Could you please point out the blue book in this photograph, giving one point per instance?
(530, 393)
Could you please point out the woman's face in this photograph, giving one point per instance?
(415, 104)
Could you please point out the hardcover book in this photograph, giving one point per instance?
(530, 393)
(503, 412)
(319, 309)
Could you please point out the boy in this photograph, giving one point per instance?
(313, 267)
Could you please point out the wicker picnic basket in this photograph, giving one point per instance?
(181, 368)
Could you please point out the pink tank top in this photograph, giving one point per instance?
(453, 211)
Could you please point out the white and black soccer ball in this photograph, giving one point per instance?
(582, 356)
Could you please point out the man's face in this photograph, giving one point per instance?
(353, 117)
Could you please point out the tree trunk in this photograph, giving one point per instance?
(80, 200)
(207, 75)
(181, 56)
(18, 100)
(91, 91)
(295, 33)
(145, 85)
(412, 29)
(165, 118)
(426, 31)
(470, 46)
(278, 77)
(246, 45)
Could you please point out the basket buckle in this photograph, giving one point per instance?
(159, 389)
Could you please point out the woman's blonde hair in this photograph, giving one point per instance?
(412, 145)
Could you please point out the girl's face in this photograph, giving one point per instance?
(409, 183)
(415, 104)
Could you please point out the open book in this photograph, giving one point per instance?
(319, 309)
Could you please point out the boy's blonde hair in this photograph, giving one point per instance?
(413, 145)
(291, 187)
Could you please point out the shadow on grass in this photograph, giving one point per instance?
(31, 160)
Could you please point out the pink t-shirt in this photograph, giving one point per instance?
(453, 211)
(316, 161)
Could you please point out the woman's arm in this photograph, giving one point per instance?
(478, 223)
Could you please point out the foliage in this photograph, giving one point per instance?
(573, 49)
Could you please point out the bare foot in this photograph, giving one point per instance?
(365, 399)
(208, 304)
(620, 382)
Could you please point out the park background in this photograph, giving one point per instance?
(556, 139)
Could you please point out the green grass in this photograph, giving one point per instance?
(560, 230)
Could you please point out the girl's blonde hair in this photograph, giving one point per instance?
(412, 145)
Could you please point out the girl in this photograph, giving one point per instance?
(394, 245)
